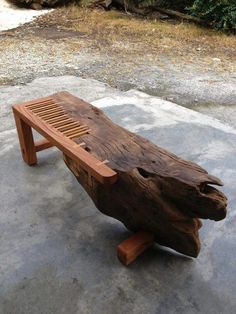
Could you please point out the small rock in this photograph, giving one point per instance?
(216, 59)
(164, 17)
(36, 6)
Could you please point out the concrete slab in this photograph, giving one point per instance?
(58, 253)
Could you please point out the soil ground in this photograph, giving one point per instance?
(183, 63)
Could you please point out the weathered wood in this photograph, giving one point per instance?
(146, 10)
(156, 191)
(181, 16)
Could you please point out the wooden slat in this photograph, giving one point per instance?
(46, 113)
(52, 115)
(75, 129)
(67, 126)
(75, 135)
(53, 121)
(39, 104)
(61, 122)
(44, 108)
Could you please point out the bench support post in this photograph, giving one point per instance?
(135, 245)
(26, 140)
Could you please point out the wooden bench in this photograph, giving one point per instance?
(54, 122)
(52, 117)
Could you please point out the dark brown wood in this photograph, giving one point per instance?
(135, 245)
(156, 191)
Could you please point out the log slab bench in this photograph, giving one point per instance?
(155, 194)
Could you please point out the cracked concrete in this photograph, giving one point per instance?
(58, 253)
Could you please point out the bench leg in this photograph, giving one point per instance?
(135, 245)
(26, 140)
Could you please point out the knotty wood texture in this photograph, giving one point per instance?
(156, 191)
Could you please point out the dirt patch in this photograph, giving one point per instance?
(119, 34)
(107, 28)
(55, 33)
(180, 62)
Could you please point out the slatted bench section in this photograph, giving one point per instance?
(49, 118)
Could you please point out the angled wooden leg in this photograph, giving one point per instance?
(135, 245)
(26, 140)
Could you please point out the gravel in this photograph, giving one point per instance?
(200, 86)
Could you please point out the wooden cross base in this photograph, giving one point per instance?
(134, 246)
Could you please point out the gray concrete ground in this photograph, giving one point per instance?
(58, 253)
